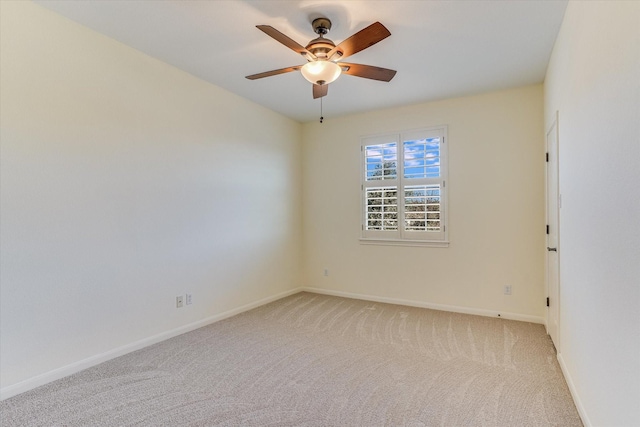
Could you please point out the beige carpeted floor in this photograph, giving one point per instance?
(315, 360)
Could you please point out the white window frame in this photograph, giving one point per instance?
(402, 237)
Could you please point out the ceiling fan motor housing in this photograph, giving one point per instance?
(320, 46)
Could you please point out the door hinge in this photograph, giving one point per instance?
(547, 156)
(547, 228)
(547, 301)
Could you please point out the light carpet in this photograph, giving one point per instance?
(316, 360)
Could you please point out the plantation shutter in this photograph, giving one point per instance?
(380, 186)
(423, 185)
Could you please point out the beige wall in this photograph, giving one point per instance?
(126, 182)
(593, 81)
(496, 208)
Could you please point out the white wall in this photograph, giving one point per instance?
(126, 182)
(496, 207)
(593, 81)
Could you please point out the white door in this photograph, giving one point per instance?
(553, 243)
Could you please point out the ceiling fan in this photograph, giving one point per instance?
(323, 55)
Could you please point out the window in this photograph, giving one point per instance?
(404, 188)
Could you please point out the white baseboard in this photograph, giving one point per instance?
(441, 307)
(47, 377)
(574, 393)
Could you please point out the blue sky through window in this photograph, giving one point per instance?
(422, 158)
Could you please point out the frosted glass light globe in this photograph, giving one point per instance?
(321, 72)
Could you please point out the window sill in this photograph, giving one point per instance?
(398, 242)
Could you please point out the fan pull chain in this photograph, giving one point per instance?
(321, 118)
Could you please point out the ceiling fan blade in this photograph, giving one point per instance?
(273, 72)
(286, 40)
(361, 40)
(367, 71)
(320, 90)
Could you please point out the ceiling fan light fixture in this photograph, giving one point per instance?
(321, 72)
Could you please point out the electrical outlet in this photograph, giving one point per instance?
(507, 289)
(179, 301)
(326, 271)
(189, 300)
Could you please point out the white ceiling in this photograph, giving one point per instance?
(441, 49)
